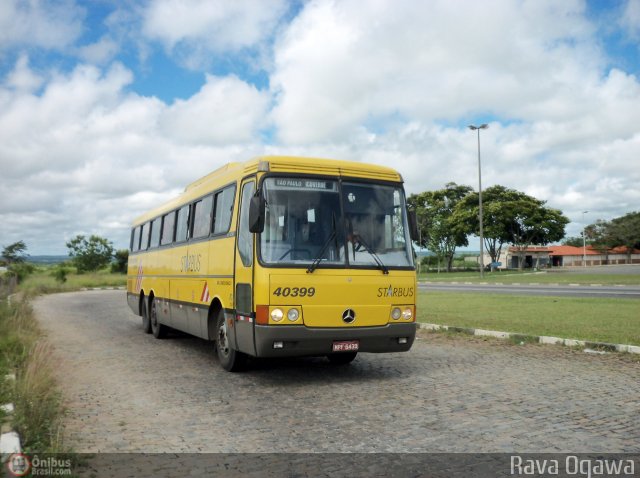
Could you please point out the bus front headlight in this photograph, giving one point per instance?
(407, 314)
(277, 315)
(293, 315)
(396, 313)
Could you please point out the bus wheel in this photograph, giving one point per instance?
(343, 358)
(230, 359)
(159, 330)
(146, 323)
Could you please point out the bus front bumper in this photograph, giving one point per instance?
(290, 341)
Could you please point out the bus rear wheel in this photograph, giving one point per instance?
(159, 330)
(230, 359)
(146, 322)
(342, 358)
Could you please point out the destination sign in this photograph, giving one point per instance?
(308, 184)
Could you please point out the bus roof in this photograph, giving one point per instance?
(232, 172)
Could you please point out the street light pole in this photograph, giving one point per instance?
(584, 241)
(478, 128)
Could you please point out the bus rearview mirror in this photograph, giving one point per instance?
(413, 224)
(256, 213)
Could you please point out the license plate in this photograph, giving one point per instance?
(346, 346)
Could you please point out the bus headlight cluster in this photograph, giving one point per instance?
(293, 314)
(277, 315)
(405, 313)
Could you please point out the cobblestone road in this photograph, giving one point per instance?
(127, 391)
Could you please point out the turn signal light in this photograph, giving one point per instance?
(262, 314)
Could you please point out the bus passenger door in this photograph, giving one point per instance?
(244, 262)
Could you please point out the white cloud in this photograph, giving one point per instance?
(225, 110)
(339, 65)
(22, 78)
(85, 156)
(198, 28)
(100, 52)
(630, 19)
(52, 25)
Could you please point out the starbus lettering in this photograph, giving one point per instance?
(395, 291)
(190, 263)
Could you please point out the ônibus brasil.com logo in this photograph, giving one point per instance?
(20, 465)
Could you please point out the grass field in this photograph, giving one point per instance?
(600, 320)
(23, 351)
(43, 281)
(554, 277)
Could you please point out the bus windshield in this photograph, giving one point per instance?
(322, 222)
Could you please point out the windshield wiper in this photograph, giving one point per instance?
(318, 259)
(367, 247)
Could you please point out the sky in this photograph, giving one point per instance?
(109, 108)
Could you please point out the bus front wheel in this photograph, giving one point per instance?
(230, 359)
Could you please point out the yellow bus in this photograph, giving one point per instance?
(280, 257)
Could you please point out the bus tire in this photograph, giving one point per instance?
(146, 322)
(159, 330)
(230, 359)
(343, 358)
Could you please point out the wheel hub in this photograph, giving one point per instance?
(223, 345)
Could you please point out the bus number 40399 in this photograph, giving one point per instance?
(295, 291)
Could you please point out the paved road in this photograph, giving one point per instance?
(615, 292)
(127, 391)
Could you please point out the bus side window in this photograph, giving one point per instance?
(202, 217)
(182, 227)
(245, 238)
(168, 228)
(155, 232)
(223, 210)
(135, 239)
(144, 239)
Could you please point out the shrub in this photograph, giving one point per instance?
(121, 260)
(20, 270)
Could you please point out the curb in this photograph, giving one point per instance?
(539, 284)
(102, 288)
(541, 339)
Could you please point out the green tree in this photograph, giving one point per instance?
(534, 223)
(121, 261)
(597, 237)
(60, 273)
(511, 217)
(20, 270)
(575, 241)
(624, 231)
(15, 253)
(439, 232)
(15, 256)
(90, 254)
(498, 211)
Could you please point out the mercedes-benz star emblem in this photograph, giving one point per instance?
(348, 316)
